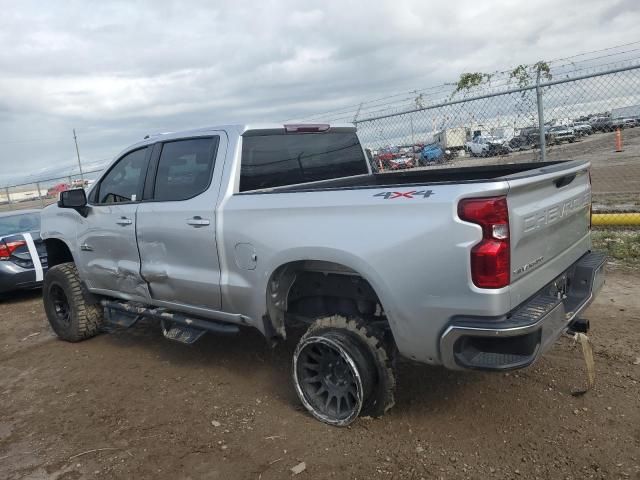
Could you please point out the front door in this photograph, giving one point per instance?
(108, 256)
(176, 225)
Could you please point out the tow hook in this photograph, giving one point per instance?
(579, 325)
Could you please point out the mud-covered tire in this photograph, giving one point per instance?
(70, 315)
(370, 353)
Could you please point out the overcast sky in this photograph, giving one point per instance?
(116, 71)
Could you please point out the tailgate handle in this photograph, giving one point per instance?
(564, 181)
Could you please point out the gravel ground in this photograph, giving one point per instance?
(131, 404)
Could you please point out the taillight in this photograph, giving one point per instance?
(7, 248)
(490, 259)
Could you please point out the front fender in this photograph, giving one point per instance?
(61, 224)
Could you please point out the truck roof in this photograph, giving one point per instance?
(240, 128)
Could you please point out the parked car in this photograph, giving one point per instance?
(619, 123)
(582, 129)
(601, 124)
(559, 134)
(278, 227)
(432, 153)
(527, 138)
(392, 162)
(23, 258)
(626, 122)
(487, 146)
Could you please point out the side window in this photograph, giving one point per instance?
(124, 181)
(185, 168)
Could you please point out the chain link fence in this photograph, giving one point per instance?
(527, 115)
(39, 194)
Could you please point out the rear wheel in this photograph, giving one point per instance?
(70, 315)
(341, 369)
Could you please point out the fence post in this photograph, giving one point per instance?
(6, 191)
(40, 194)
(543, 145)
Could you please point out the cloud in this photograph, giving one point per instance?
(116, 71)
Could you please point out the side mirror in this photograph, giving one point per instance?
(76, 199)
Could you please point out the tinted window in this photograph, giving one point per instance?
(28, 222)
(185, 168)
(285, 159)
(124, 181)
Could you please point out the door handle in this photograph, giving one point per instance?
(124, 221)
(198, 221)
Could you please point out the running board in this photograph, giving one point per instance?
(119, 318)
(175, 326)
(182, 334)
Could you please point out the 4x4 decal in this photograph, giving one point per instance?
(410, 194)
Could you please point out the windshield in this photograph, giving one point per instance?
(26, 222)
(276, 160)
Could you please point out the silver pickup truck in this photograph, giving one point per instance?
(285, 229)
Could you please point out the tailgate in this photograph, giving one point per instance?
(549, 216)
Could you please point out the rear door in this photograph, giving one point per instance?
(549, 214)
(108, 258)
(177, 223)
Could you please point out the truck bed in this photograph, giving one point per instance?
(481, 173)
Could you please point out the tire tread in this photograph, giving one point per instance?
(89, 317)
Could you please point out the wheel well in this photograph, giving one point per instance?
(57, 252)
(302, 291)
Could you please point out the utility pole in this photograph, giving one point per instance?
(75, 139)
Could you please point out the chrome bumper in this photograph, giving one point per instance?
(525, 334)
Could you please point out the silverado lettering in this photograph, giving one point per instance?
(554, 213)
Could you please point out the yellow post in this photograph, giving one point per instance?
(615, 219)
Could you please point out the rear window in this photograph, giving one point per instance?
(27, 222)
(285, 159)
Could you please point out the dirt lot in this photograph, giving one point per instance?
(131, 404)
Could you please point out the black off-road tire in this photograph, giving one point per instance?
(376, 359)
(71, 316)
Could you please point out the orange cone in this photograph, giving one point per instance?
(618, 140)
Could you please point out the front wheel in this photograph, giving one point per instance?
(342, 369)
(71, 316)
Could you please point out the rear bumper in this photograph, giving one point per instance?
(13, 277)
(520, 338)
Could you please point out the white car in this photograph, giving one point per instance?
(486, 145)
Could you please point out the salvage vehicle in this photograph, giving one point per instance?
(23, 258)
(431, 154)
(603, 124)
(559, 134)
(582, 129)
(284, 227)
(487, 146)
(528, 137)
(395, 162)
